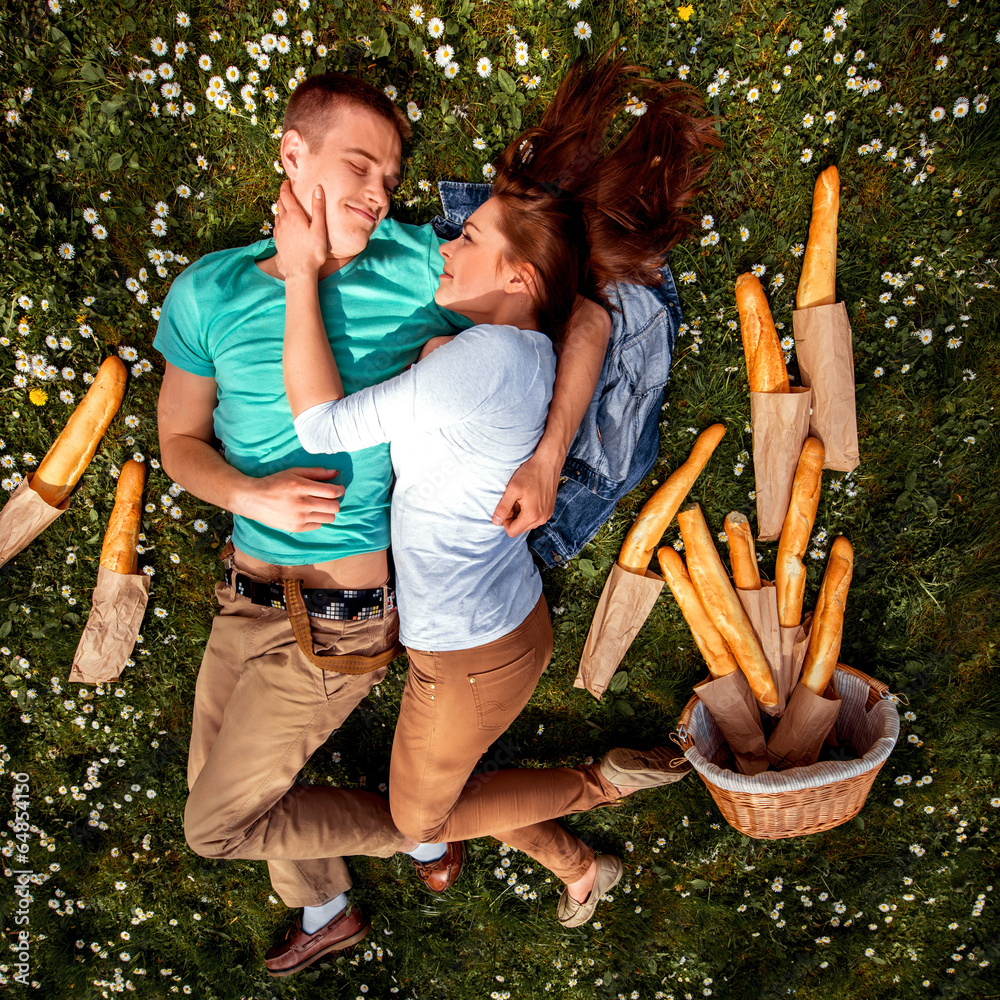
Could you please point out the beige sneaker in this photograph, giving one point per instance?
(609, 873)
(643, 768)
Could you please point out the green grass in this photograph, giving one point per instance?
(700, 901)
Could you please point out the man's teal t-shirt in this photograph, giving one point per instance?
(225, 318)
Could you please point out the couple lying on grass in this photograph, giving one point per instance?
(477, 432)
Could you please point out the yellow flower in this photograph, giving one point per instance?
(38, 396)
(684, 13)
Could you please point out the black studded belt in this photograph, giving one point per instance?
(338, 605)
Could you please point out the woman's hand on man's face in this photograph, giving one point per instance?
(301, 242)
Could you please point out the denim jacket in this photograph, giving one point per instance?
(618, 439)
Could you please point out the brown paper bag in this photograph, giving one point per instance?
(826, 363)
(624, 606)
(761, 607)
(799, 734)
(109, 636)
(780, 424)
(24, 517)
(731, 704)
(794, 642)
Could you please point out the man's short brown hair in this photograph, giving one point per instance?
(311, 110)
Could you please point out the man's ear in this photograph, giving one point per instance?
(292, 148)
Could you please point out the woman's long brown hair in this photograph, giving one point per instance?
(586, 200)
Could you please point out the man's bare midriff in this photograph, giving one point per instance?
(360, 572)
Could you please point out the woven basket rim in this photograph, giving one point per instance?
(799, 779)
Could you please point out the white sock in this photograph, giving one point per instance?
(315, 917)
(428, 852)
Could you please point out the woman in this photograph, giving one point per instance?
(567, 215)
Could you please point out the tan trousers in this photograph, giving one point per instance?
(455, 705)
(261, 710)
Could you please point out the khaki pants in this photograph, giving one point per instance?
(455, 704)
(261, 710)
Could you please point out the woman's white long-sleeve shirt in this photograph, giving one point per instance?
(459, 424)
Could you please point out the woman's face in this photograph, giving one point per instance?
(475, 281)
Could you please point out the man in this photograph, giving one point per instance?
(307, 623)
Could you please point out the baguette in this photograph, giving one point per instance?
(819, 265)
(765, 360)
(72, 451)
(827, 630)
(659, 510)
(707, 637)
(118, 552)
(722, 606)
(742, 556)
(790, 570)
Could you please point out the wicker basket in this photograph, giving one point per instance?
(800, 800)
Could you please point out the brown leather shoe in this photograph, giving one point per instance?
(299, 950)
(443, 874)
